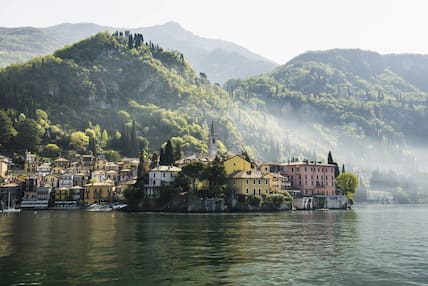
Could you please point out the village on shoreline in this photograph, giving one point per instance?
(211, 183)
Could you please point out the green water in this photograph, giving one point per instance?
(370, 245)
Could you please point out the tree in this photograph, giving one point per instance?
(142, 175)
(79, 141)
(194, 171)
(92, 146)
(177, 152)
(216, 176)
(347, 183)
(50, 151)
(29, 135)
(7, 131)
(330, 158)
(161, 156)
(343, 168)
(169, 153)
(332, 162)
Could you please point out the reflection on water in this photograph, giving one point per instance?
(368, 245)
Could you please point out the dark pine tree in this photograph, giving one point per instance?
(169, 153)
(343, 168)
(177, 152)
(92, 146)
(162, 157)
(332, 162)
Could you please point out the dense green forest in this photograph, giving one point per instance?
(116, 95)
(109, 94)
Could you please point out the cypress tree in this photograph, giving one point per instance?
(343, 168)
(161, 157)
(169, 153)
(92, 146)
(177, 154)
(330, 158)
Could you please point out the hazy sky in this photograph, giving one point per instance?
(276, 29)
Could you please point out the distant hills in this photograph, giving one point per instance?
(368, 107)
(361, 104)
(219, 60)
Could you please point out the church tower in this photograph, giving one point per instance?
(212, 142)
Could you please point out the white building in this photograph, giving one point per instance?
(66, 181)
(43, 170)
(3, 166)
(160, 176)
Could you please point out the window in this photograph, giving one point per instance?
(163, 175)
(267, 191)
(247, 190)
(259, 181)
(246, 182)
(254, 181)
(266, 181)
(260, 192)
(154, 175)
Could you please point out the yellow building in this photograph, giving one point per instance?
(51, 180)
(236, 163)
(62, 194)
(277, 182)
(99, 192)
(100, 164)
(61, 162)
(57, 171)
(249, 183)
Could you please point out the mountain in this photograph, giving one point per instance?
(220, 60)
(369, 108)
(124, 96)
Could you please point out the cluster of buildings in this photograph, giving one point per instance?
(301, 179)
(86, 180)
(64, 183)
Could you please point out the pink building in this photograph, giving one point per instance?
(311, 178)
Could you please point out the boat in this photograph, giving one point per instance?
(35, 204)
(65, 205)
(10, 208)
(99, 208)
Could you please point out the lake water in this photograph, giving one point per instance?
(369, 245)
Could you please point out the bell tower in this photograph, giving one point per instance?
(212, 142)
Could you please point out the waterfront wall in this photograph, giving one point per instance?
(321, 202)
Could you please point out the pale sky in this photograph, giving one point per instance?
(278, 30)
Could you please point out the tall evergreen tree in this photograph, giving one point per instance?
(330, 158)
(162, 157)
(332, 162)
(169, 153)
(177, 154)
(133, 139)
(343, 168)
(92, 146)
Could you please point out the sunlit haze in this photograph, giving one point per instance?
(278, 30)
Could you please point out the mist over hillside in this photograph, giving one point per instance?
(365, 107)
